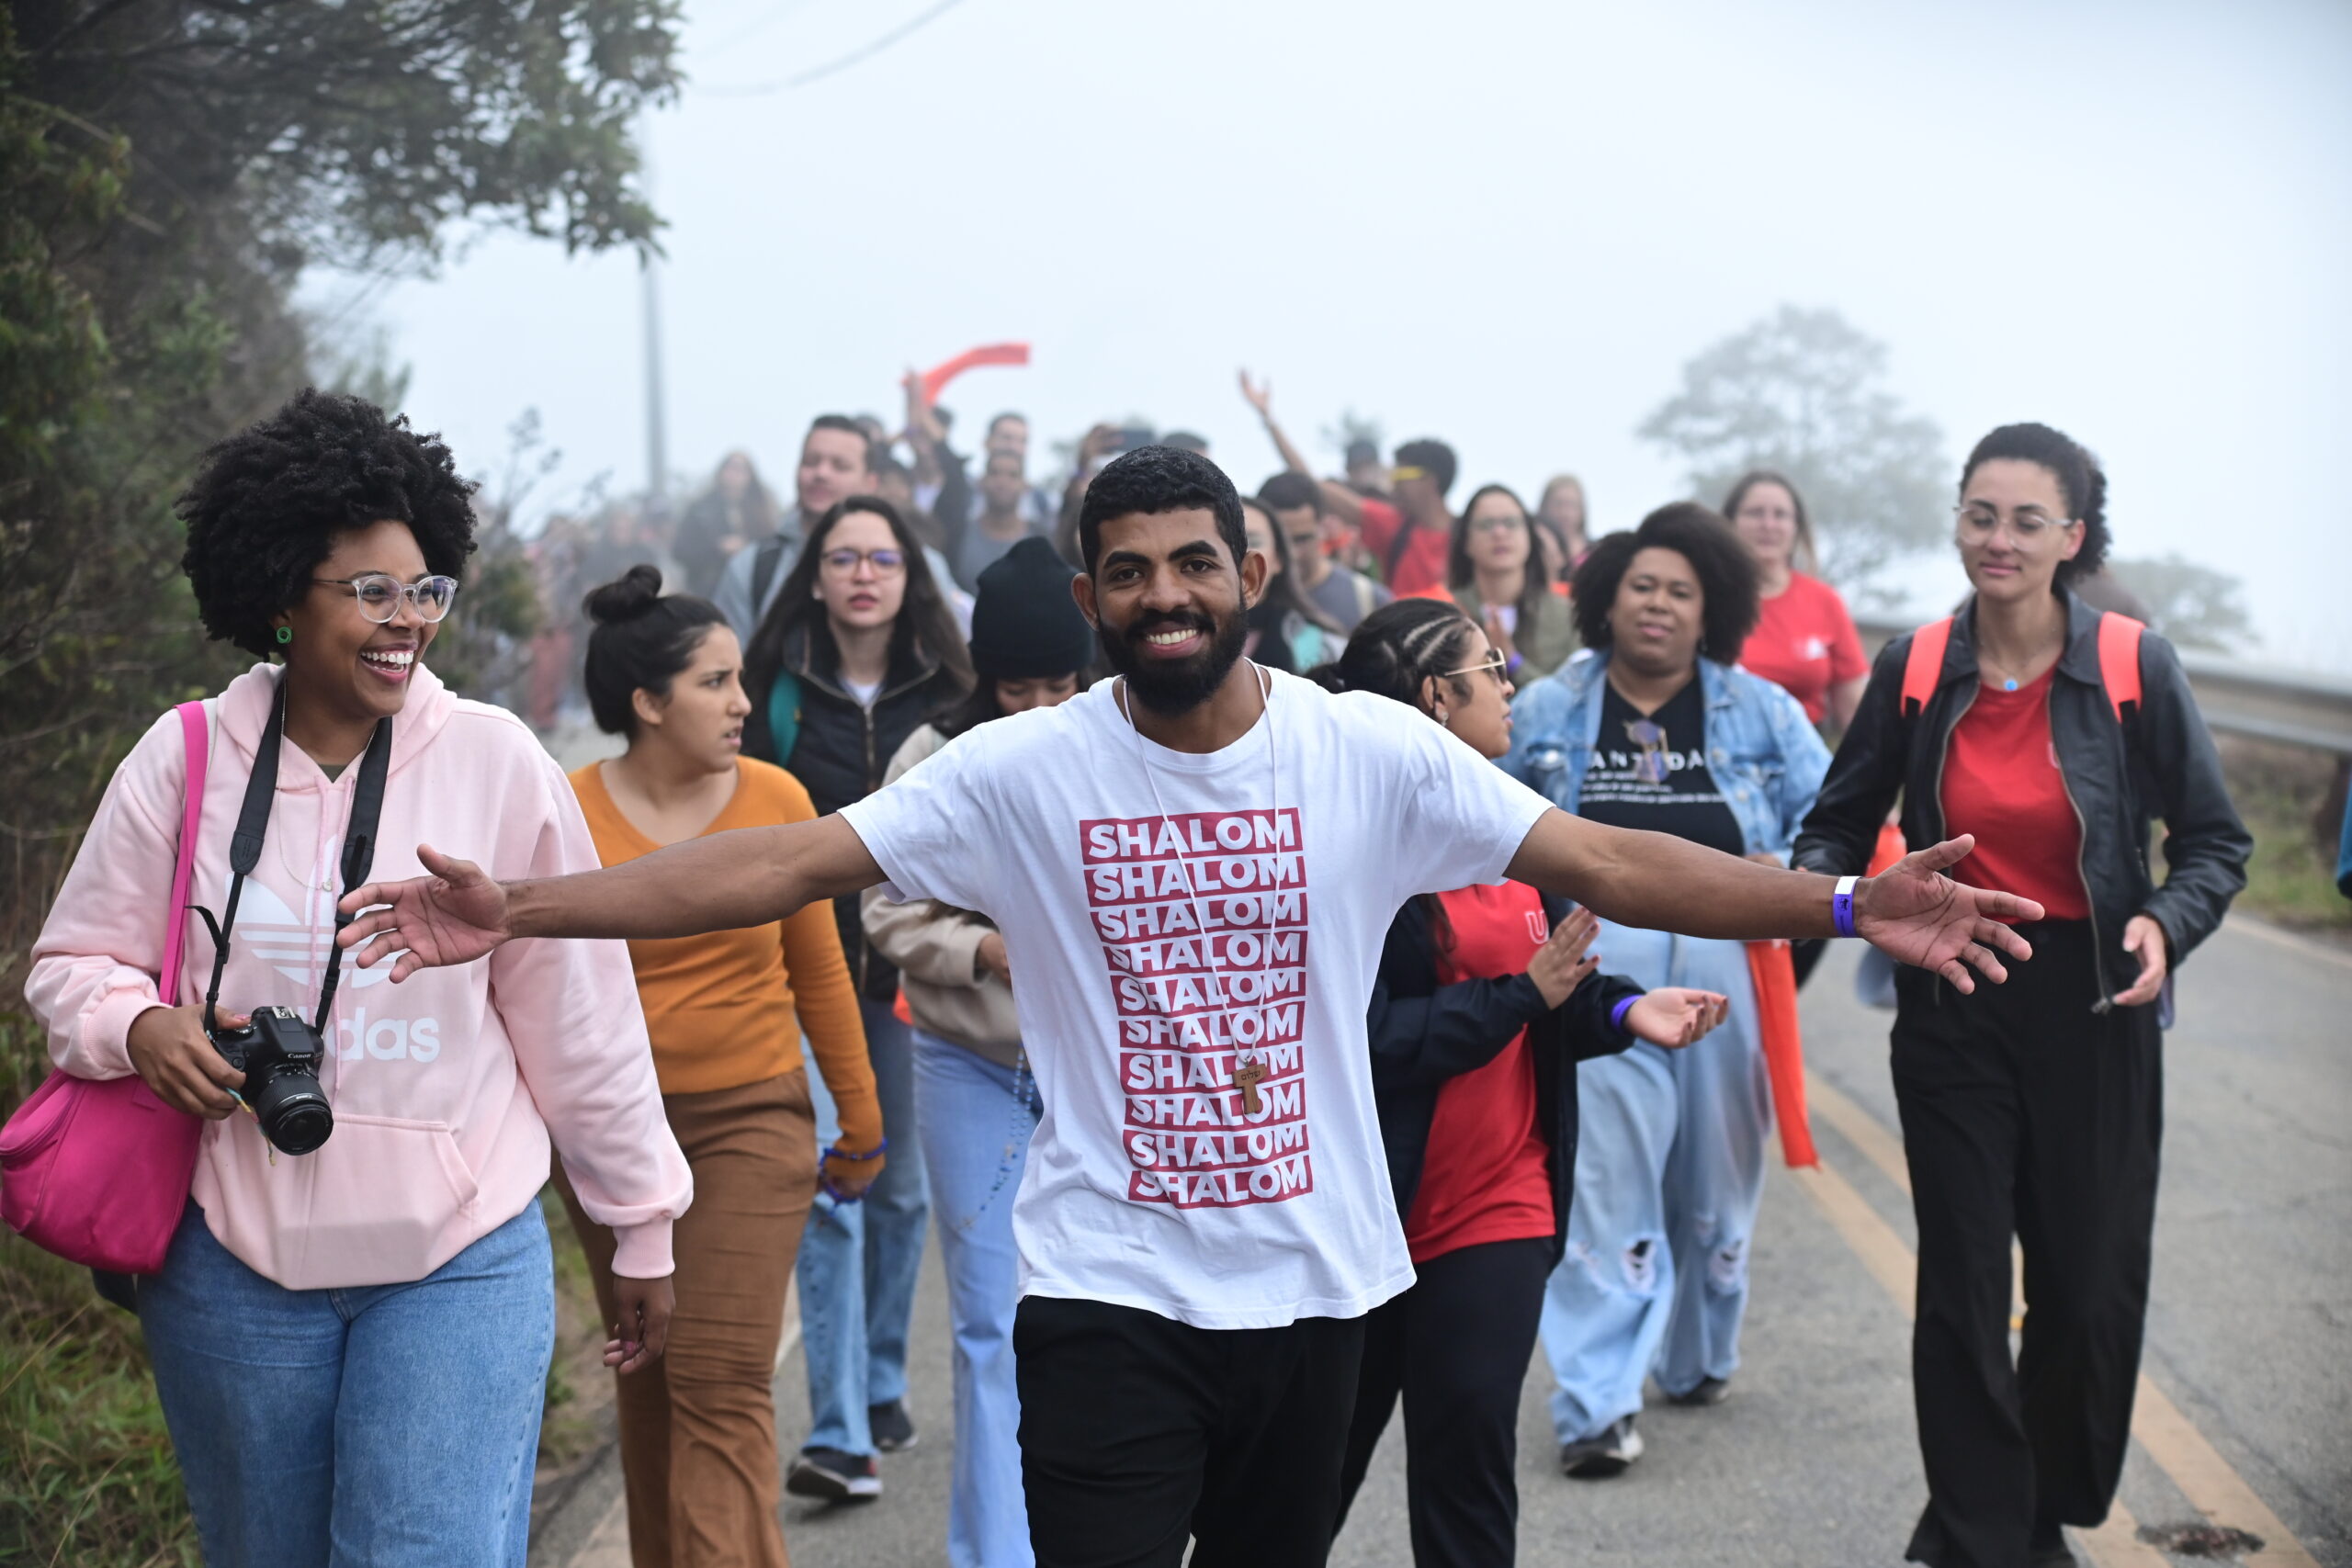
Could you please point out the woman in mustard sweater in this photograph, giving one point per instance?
(726, 1012)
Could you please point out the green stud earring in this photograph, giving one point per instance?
(285, 635)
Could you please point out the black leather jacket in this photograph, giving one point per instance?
(1424, 1033)
(842, 751)
(2160, 764)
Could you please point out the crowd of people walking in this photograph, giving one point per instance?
(1188, 900)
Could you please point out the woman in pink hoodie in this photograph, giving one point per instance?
(351, 1344)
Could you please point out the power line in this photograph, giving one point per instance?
(833, 67)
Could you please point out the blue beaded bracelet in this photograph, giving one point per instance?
(1624, 1005)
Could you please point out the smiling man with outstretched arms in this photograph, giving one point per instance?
(1193, 868)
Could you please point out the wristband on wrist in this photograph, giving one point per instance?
(825, 1179)
(1624, 1005)
(1841, 904)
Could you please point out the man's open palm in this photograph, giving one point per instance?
(454, 916)
(1922, 916)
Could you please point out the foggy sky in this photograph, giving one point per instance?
(1508, 225)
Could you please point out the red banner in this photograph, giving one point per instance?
(938, 375)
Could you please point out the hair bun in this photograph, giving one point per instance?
(626, 598)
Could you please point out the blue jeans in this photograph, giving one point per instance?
(859, 1262)
(977, 1118)
(385, 1425)
(1669, 1172)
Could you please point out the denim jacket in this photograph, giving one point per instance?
(1765, 758)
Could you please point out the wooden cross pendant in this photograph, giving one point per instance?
(1247, 1077)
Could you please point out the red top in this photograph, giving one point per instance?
(2002, 783)
(1486, 1172)
(1422, 563)
(1805, 642)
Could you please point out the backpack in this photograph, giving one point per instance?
(2118, 664)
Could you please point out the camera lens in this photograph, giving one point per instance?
(293, 1114)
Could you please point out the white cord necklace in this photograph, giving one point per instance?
(1248, 1066)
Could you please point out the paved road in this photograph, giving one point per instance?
(1812, 1461)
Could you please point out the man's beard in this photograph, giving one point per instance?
(1174, 687)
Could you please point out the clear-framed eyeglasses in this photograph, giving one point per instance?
(2027, 525)
(380, 594)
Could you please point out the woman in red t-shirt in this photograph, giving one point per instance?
(1804, 642)
(1484, 1001)
(2034, 1108)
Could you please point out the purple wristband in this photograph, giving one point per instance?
(1617, 1014)
(1841, 904)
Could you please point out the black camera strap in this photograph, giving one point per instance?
(253, 826)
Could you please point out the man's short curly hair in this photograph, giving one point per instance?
(268, 502)
(1153, 480)
(1726, 575)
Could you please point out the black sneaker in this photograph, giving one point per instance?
(835, 1476)
(893, 1428)
(1598, 1458)
(1705, 1392)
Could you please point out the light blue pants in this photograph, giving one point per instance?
(385, 1425)
(977, 1118)
(1670, 1170)
(859, 1262)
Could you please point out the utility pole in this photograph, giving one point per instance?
(657, 440)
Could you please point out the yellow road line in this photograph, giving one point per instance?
(2211, 1485)
(2115, 1544)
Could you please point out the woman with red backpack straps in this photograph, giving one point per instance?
(2053, 734)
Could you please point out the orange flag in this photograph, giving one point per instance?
(1776, 1017)
(938, 375)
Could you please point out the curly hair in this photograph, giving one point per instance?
(1153, 480)
(268, 502)
(2077, 473)
(1726, 576)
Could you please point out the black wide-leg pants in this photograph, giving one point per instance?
(2025, 1113)
(1455, 1348)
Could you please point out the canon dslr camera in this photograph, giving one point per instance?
(279, 1054)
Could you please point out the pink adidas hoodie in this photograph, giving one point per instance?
(446, 1086)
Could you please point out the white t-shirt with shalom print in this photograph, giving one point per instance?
(1166, 913)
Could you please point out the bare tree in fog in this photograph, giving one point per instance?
(2195, 606)
(1799, 391)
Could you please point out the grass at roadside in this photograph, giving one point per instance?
(2291, 801)
(87, 1472)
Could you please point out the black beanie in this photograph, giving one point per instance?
(1024, 624)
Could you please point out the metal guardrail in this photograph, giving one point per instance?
(2292, 707)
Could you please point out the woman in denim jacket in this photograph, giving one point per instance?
(1655, 728)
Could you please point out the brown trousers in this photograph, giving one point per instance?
(697, 1427)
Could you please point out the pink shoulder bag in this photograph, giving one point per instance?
(96, 1170)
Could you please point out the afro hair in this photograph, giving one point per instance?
(268, 502)
(1726, 575)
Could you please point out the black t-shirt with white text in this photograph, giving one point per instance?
(1652, 773)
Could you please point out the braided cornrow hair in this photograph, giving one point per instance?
(1397, 648)
(1391, 653)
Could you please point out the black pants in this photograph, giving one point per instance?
(2024, 1112)
(1138, 1431)
(1457, 1347)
